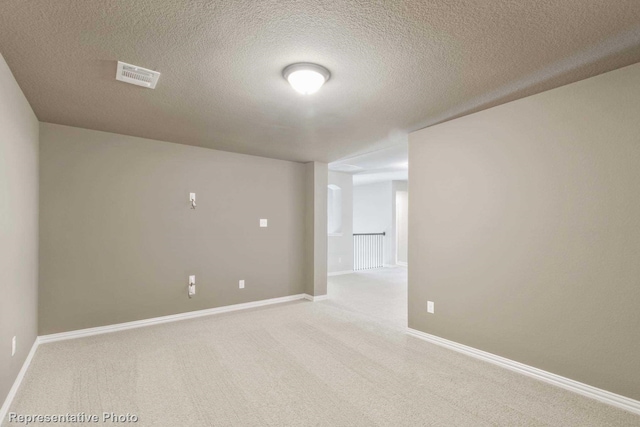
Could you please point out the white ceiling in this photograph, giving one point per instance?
(396, 65)
(388, 164)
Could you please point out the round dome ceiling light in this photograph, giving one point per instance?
(306, 78)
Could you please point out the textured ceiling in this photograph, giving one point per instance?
(396, 66)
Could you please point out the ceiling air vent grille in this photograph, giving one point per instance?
(137, 75)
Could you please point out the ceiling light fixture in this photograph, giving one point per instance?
(306, 78)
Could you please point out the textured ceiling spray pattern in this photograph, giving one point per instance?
(396, 66)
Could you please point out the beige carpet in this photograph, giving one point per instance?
(328, 363)
(379, 294)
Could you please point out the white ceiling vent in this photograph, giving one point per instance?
(137, 75)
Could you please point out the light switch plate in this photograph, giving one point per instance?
(241, 284)
(263, 223)
(430, 307)
(13, 346)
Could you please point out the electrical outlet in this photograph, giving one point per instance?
(263, 223)
(192, 286)
(241, 284)
(13, 346)
(339, 260)
(430, 307)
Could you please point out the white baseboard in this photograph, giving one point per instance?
(604, 396)
(164, 319)
(316, 297)
(18, 381)
(401, 264)
(340, 273)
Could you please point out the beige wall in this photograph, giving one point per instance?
(340, 247)
(525, 230)
(18, 227)
(316, 228)
(119, 240)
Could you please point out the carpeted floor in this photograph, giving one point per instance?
(340, 362)
(380, 294)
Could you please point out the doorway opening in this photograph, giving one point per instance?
(367, 253)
